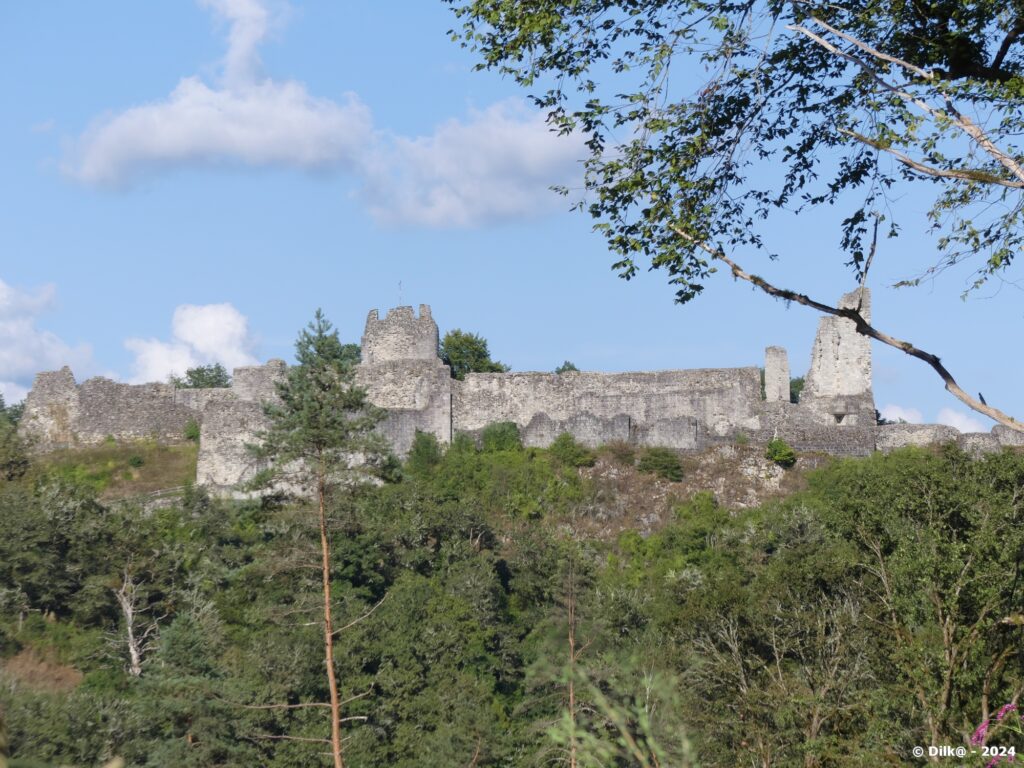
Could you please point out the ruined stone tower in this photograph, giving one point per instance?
(838, 385)
(401, 371)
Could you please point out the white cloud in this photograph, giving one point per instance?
(12, 392)
(960, 420)
(267, 124)
(25, 349)
(247, 120)
(499, 163)
(201, 335)
(899, 413)
(249, 20)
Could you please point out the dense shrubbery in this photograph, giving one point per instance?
(568, 452)
(662, 462)
(781, 453)
(876, 611)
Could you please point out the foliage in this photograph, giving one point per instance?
(11, 413)
(322, 439)
(192, 431)
(565, 450)
(501, 436)
(796, 386)
(468, 353)
(760, 119)
(779, 451)
(107, 469)
(662, 462)
(425, 453)
(203, 377)
(566, 367)
(14, 461)
(875, 611)
(350, 355)
(323, 418)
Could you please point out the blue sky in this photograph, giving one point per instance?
(186, 182)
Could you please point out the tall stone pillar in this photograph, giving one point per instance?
(776, 375)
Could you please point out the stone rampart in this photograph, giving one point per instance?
(401, 372)
(662, 406)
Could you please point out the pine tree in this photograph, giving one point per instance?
(322, 440)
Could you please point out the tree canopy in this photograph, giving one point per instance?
(203, 377)
(703, 119)
(468, 353)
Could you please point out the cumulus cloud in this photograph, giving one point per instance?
(250, 21)
(266, 124)
(499, 163)
(26, 349)
(201, 335)
(245, 120)
(899, 413)
(960, 420)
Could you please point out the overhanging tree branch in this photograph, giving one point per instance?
(951, 113)
(863, 327)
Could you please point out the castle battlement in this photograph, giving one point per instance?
(400, 336)
(402, 373)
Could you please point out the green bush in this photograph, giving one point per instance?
(662, 462)
(425, 453)
(565, 450)
(192, 431)
(501, 436)
(780, 452)
(135, 461)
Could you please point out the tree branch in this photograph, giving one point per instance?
(1012, 36)
(952, 114)
(864, 328)
(355, 621)
(957, 173)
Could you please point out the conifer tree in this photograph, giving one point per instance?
(322, 441)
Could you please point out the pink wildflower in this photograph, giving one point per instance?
(1004, 711)
(979, 735)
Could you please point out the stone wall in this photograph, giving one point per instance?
(62, 414)
(401, 371)
(663, 407)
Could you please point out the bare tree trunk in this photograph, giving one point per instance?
(139, 640)
(572, 666)
(332, 681)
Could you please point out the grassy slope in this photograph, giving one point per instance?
(125, 470)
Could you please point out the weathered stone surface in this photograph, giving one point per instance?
(229, 428)
(722, 399)
(51, 411)
(888, 437)
(1007, 436)
(776, 375)
(400, 336)
(978, 442)
(838, 385)
(401, 372)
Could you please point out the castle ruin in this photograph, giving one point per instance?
(402, 373)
